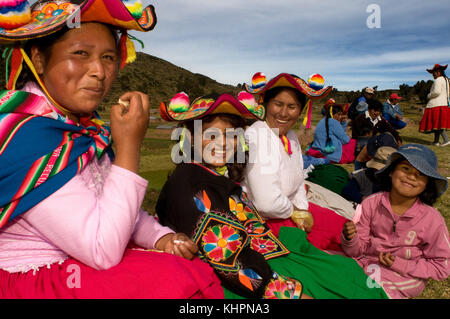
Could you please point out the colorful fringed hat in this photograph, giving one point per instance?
(287, 80)
(180, 109)
(313, 89)
(50, 16)
(19, 23)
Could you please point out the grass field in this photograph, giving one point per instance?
(156, 164)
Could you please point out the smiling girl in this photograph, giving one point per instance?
(400, 239)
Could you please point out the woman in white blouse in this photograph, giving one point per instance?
(274, 176)
(436, 117)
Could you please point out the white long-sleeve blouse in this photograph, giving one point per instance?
(273, 179)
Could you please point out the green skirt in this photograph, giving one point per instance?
(323, 276)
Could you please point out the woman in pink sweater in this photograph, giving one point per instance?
(400, 239)
(69, 206)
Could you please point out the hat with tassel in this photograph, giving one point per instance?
(20, 22)
(312, 89)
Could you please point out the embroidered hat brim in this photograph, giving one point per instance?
(48, 17)
(203, 106)
(288, 80)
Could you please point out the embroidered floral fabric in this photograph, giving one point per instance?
(228, 230)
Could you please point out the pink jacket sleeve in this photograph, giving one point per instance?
(359, 244)
(436, 254)
(148, 231)
(96, 227)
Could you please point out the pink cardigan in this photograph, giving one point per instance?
(91, 218)
(420, 241)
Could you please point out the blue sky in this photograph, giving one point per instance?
(231, 40)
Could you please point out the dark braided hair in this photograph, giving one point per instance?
(334, 109)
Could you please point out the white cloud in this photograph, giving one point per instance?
(231, 40)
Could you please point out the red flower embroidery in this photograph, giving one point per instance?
(263, 246)
(220, 242)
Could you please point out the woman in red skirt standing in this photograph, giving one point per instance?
(436, 118)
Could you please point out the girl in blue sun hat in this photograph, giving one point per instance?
(400, 239)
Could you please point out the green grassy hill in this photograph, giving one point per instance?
(161, 80)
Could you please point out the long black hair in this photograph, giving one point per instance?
(333, 110)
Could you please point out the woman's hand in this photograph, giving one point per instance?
(349, 230)
(303, 219)
(386, 259)
(129, 122)
(177, 244)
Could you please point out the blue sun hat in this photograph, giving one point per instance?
(421, 158)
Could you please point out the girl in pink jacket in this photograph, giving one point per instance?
(400, 239)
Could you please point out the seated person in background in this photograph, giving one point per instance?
(381, 137)
(364, 123)
(360, 105)
(331, 140)
(314, 161)
(345, 107)
(384, 127)
(362, 182)
(392, 112)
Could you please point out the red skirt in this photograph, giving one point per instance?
(435, 118)
(326, 232)
(140, 275)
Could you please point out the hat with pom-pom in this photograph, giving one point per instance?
(14, 14)
(288, 80)
(20, 22)
(47, 17)
(311, 89)
(180, 109)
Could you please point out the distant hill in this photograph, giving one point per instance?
(161, 80)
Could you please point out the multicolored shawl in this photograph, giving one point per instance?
(40, 150)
